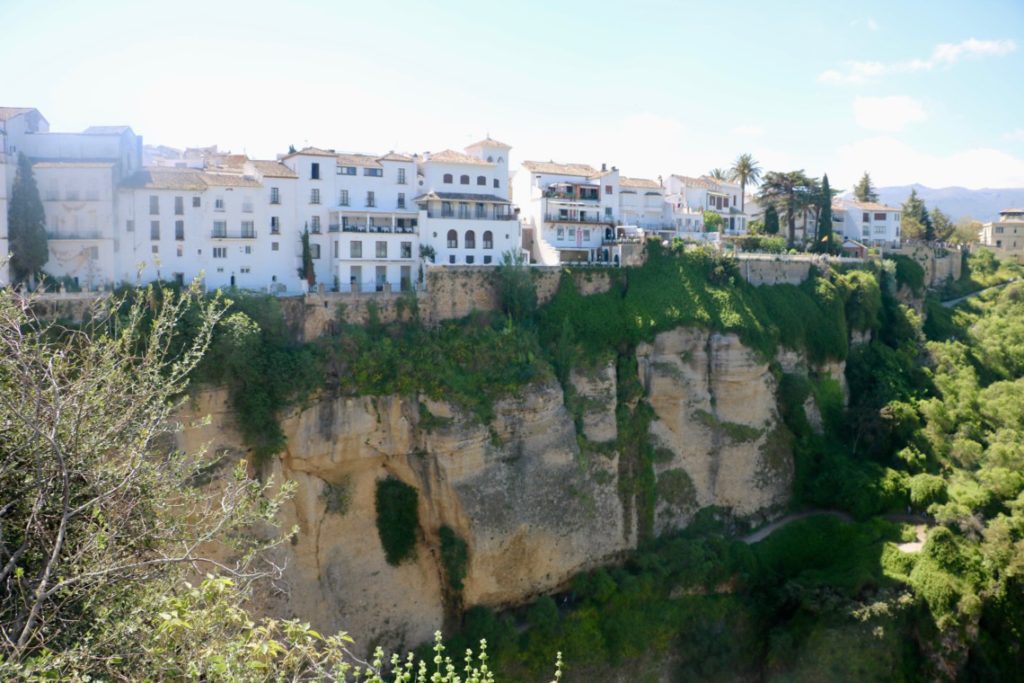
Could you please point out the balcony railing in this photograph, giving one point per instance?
(74, 235)
(571, 197)
(469, 216)
(557, 218)
(241, 235)
(397, 230)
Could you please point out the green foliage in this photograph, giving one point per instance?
(771, 220)
(926, 489)
(908, 272)
(863, 299)
(825, 241)
(864, 191)
(397, 519)
(713, 221)
(516, 292)
(768, 243)
(307, 271)
(26, 224)
(337, 497)
(454, 558)
(915, 218)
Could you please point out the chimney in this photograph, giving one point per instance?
(604, 167)
(661, 182)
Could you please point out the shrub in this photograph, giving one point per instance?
(926, 489)
(397, 519)
(908, 272)
(454, 557)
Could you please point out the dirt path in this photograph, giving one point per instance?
(953, 302)
(920, 522)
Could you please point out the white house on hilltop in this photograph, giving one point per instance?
(870, 223)
(689, 197)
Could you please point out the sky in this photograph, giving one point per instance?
(927, 92)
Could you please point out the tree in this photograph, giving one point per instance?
(713, 221)
(307, 272)
(966, 231)
(771, 220)
(789, 192)
(745, 171)
(718, 174)
(864, 191)
(26, 225)
(516, 292)
(942, 224)
(914, 210)
(824, 241)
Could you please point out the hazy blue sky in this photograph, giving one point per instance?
(912, 91)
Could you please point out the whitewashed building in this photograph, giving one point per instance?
(870, 223)
(689, 197)
(465, 213)
(1005, 236)
(642, 204)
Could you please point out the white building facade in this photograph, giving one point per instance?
(689, 198)
(870, 223)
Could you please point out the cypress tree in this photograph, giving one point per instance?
(26, 225)
(825, 219)
(914, 208)
(307, 271)
(771, 220)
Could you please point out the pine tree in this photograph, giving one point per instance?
(915, 211)
(824, 242)
(864, 191)
(771, 220)
(307, 272)
(26, 225)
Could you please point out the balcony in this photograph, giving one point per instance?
(74, 235)
(241, 235)
(595, 219)
(356, 227)
(592, 198)
(470, 216)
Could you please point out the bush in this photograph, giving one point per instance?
(397, 519)
(908, 272)
(926, 489)
(454, 557)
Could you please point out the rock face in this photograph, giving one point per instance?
(531, 506)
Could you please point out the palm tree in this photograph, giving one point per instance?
(788, 192)
(717, 174)
(745, 171)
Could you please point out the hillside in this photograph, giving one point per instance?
(983, 205)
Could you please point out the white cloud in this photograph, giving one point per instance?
(1014, 135)
(887, 114)
(872, 24)
(893, 162)
(944, 54)
(748, 130)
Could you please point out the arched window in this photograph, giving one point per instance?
(448, 178)
(481, 180)
(488, 240)
(453, 239)
(501, 160)
(496, 183)
(490, 160)
(464, 180)
(470, 239)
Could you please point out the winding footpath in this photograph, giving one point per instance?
(920, 522)
(950, 303)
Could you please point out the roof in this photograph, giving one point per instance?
(7, 113)
(364, 160)
(395, 156)
(1012, 211)
(273, 169)
(870, 206)
(165, 178)
(461, 196)
(229, 180)
(450, 156)
(639, 182)
(107, 130)
(704, 182)
(73, 164)
(584, 170)
(489, 142)
(311, 151)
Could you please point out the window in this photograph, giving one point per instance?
(451, 259)
(314, 249)
(488, 240)
(275, 225)
(487, 259)
(275, 195)
(248, 229)
(481, 180)
(196, 202)
(879, 216)
(496, 184)
(314, 196)
(469, 259)
(607, 212)
(607, 189)
(371, 201)
(382, 249)
(446, 210)
(154, 230)
(180, 250)
(373, 172)
(129, 225)
(355, 249)
(866, 217)
(220, 228)
(244, 270)
(154, 204)
(179, 206)
(999, 230)
(218, 204)
(275, 246)
(343, 198)
(346, 170)
(447, 179)
(314, 224)
(406, 250)
(220, 252)
(463, 180)
(401, 176)
(453, 240)
(725, 202)
(586, 234)
(470, 239)
(560, 234)
(179, 230)
(155, 248)
(401, 200)
(314, 171)
(572, 233)
(463, 209)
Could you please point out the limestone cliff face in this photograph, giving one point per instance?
(532, 507)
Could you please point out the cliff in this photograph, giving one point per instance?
(543, 492)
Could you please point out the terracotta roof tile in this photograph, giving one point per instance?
(490, 142)
(363, 160)
(273, 169)
(7, 113)
(639, 182)
(450, 156)
(560, 169)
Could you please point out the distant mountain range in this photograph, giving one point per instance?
(983, 205)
